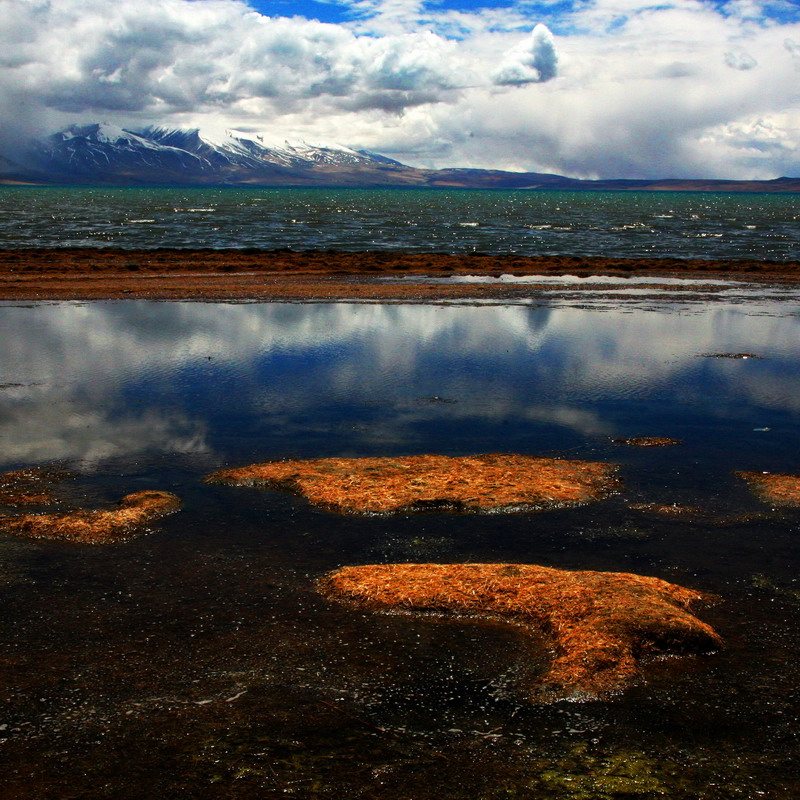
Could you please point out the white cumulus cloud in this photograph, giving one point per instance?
(531, 61)
(176, 56)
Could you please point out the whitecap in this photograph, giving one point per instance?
(569, 280)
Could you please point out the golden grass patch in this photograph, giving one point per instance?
(600, 624)
(95, 526)
(780, 490)
(32, 486)
(493, 482)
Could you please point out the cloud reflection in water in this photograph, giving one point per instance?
(230, 381)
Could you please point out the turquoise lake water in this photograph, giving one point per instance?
(633, 224)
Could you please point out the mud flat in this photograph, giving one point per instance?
(601, 624)
(780, 490)
(94, 273)
(134, 511)
(482, 483)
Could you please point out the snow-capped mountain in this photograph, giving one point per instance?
(108, 153)
(254, 150)
(103, 154)
(101, 149)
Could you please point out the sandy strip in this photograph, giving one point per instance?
(97, 273)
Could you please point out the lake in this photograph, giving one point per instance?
(615, 224)
(199, 660)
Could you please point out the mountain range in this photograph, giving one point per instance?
(107, 155)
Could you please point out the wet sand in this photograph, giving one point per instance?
(172, 274)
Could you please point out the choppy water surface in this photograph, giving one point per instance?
(634, 224)
(198, 661)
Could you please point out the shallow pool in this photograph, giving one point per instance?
(198, 660)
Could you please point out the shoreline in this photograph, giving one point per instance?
(73, 273)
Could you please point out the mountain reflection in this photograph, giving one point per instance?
(88, 382)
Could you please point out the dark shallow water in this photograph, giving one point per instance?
(612, 224)
(198, 661)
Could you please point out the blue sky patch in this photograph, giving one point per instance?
(552, 13)
(332, 12)
(341, 12)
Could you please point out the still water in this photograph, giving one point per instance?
(613, 224)
(198, 661)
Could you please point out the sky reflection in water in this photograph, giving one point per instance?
(226, 382)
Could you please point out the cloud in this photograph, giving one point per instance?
(532, 61)
(627, 88)
(649, 95)
(175, 56)
(740, 59)
(794, 51)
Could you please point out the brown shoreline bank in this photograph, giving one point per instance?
(163, 273)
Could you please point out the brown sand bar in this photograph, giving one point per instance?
(600, 624)
(482, 483)
(96, 273)
(133, 512)
(780, 490)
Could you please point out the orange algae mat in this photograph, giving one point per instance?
(781, 490)
(600, 624)
(95, 526)
(493, 482)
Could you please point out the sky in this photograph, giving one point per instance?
(585, 88)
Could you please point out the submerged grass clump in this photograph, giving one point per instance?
(695, 515)
(95, 526)
(493, 482)
(648, 441)
(780, 490)
(670, 510)
(32, 486)
(601, 624)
